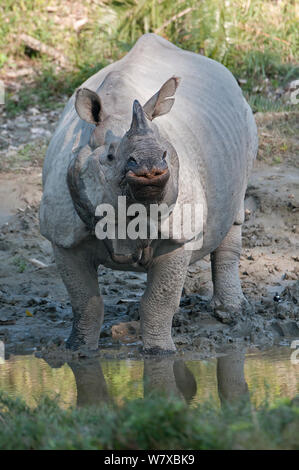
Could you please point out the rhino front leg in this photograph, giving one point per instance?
(225, 271)
(161, 299)
(78, 270)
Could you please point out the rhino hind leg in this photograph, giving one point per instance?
(161, 299)
(225, 271)
(79, 274)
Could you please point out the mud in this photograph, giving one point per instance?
(35, 314)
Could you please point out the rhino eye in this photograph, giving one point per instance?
(132, 160)
(110, 157)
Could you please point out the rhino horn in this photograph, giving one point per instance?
(139, 124)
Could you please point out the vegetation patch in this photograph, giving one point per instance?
(152, 423)
(278, 137)
(20, 263)
(256, 40)
(24, 156)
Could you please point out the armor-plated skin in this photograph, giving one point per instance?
(211, 141)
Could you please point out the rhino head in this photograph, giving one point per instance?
(138, 163)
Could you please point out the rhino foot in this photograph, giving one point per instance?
(235, 304)
(228, 293)
(75, 343)
(157, 351)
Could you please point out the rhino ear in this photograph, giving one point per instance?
(162, 102)
(88, 106)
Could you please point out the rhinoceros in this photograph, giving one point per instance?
(162, 125)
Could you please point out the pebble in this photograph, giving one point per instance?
(40, 132)
(21, 123)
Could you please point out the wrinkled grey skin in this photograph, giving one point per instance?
(210, 139)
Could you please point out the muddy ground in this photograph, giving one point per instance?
(35, 314)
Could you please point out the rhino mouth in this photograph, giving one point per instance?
(148, 186)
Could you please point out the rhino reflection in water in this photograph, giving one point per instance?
(166, 375)
(90, 382)
(192, 142)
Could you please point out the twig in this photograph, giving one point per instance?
(262, 33)
(173, 18)
(38, 264)
(7, 322)
(39, 46)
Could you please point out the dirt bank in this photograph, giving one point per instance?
(34, 309)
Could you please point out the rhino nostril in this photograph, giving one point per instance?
(144, 174)
(158, 171)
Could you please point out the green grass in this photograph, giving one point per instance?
(26, 154)
(257, 40)
(153, 423)
(20, 263)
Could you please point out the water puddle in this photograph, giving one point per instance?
(264, 374)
